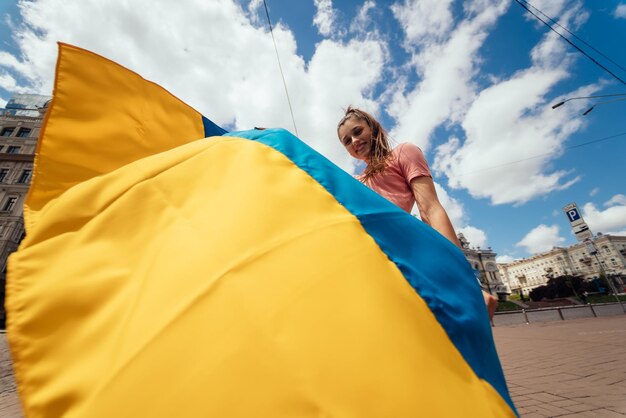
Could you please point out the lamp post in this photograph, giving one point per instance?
(586, 112)
(591, 247)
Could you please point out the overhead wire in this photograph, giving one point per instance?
(524, 5)
(594, 141)
(575, 36)
(602, 103)
(280, 67)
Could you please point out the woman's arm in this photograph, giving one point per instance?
(430, 208)
(435, 215)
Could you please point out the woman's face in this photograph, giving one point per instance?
(356, 135)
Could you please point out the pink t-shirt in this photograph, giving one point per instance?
(407, 162)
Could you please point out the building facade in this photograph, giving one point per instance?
(579, 259)
(485, 267)
(20, 123)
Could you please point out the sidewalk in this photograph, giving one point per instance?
(9, 403)
(574, 368)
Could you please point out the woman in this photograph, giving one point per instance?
(400, 174)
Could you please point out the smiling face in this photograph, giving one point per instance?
(356, 135)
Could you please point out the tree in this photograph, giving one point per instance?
(560, 287)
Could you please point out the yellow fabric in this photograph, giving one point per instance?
(169, 284)
(175, 286)
(141, 119)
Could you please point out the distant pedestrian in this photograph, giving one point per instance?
(583, 297)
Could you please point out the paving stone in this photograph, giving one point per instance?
(564, 402)
(545, 397)
(606, 413)
(548, 410)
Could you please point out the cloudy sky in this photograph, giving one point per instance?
(471, 82)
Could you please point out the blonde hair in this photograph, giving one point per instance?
(380, 149)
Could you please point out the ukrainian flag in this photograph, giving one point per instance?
(171, 269)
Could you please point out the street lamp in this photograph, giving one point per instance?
(591, 247)
(561, 103)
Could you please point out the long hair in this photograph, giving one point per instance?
(380, 149)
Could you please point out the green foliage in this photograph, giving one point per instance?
(562, 287)
(507, 306)
(605, 298)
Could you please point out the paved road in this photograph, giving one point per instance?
(573, 368)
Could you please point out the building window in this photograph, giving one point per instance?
(9, 204)
(3, 173)
(7, 132)
(23, 132)
(25, 176)
(13, 150)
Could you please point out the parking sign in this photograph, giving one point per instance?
(581, 230)
(573, 214)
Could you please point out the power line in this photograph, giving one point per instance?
(602, 103)
(267, 13)
(574, 35)
(594, 141)
(570, 42)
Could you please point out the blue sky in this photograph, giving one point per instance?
(471, 82)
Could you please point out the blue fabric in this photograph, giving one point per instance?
(211, 129)
(434, 267)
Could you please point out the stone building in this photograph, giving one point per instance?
(485, 267)
(20, 122)
(578, 259)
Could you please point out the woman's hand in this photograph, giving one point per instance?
(491, 302)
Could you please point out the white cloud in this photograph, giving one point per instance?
(540, 239)
(552, 8)
(620, 11)
(325, 17)
(7, 82)
(445, 68)
(254, 7)
(612, 220)
(10, 84)
(504, 259)
(423, 19)
(509, 143)
(362, 20)
(512, 135)
(618, 199)
(226, 69)
(476, 237)
(3, 103)
(594, 191)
